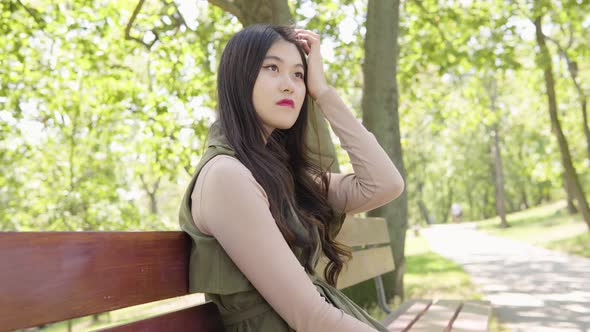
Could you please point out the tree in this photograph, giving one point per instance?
(380, 116)
(573, 50)
(545, 63)
(496, 156)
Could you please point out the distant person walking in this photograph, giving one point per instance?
(456, 212)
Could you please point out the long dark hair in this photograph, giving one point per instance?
(282, 165)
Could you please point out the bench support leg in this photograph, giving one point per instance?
(381, 294)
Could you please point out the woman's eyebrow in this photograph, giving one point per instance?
(280, 60)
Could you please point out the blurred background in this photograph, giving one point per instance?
(105, 106)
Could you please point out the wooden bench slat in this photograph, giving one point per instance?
(438, 317)
(404, 321)
(365, 264)
(62, 275)
(474, 317)
(202, 318)
(363, 231)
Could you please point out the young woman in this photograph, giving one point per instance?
(258, 212)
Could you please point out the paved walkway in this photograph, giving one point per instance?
(531, 288)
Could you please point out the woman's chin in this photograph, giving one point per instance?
(285, 126)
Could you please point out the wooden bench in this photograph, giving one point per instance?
(54, 276)
(443, 315)
(372, 257)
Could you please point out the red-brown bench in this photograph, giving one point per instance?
(54, 276)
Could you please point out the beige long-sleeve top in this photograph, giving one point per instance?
(229, 204)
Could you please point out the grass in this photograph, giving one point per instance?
(548, 226)
(576, 245)
(430, 276)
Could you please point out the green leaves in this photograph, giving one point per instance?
(107, 116)
(94, 127)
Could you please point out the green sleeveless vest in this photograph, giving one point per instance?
(211, 270)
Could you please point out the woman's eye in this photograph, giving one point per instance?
(298, 74)
(272, 66)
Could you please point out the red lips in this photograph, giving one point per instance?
(286, 102)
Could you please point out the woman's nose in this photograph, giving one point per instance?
(287, 83)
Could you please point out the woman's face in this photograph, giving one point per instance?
(280, 78)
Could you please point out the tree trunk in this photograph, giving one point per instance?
(571, 195)
(446, 207)
(153, 203)
(485, 201)
(572, 67)
(584, 105)
(151, 192)
(524, 201)
(321, 149)
(248, 12)
(380, 116)
(424, 212)
(566, 159)
(423, 209)
(499, 179)
(498, 170)
(583, 99)
(471, 204)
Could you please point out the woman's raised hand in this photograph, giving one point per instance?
(316, 80)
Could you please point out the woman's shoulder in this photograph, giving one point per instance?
(222, 173)
(224, 167)
(222, 162)
(223, 180)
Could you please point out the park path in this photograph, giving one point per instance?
(532, 289)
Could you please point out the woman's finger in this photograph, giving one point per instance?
(306, 47)
(311, 40)
(308, 32)
(309, 35)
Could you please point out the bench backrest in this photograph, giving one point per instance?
(371, 251)
(54, 276)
